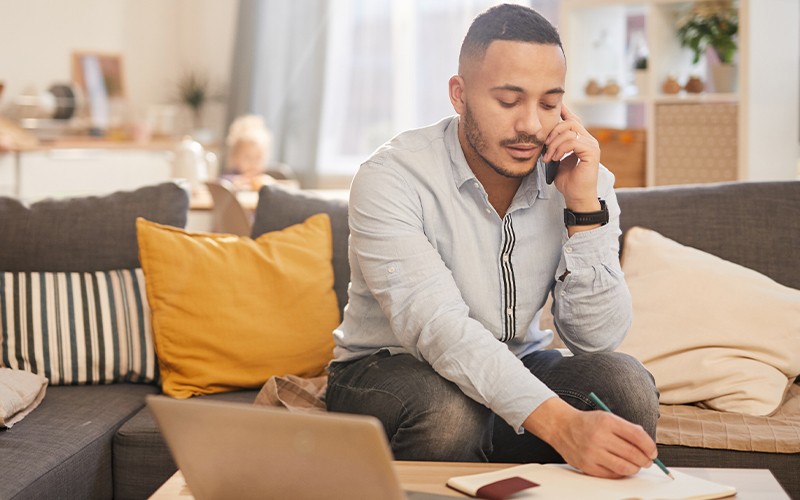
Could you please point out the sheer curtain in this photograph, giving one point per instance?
(388, 65)
(278, 70)
(337, 78)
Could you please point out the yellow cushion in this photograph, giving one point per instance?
(229, 312)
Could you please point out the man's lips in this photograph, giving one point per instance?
(523, 150)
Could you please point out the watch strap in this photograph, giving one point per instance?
(587, 218)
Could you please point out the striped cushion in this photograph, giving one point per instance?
(77, 328)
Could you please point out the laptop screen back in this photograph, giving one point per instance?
(234, 450)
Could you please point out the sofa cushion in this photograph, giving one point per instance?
(77, 328)
(742, 222)
(279, 208)
(63, 448)
(687, 425)
(84, 234)
(76, 235)
(142, 461)
(710, 331)
(20, 393)
(229, 312)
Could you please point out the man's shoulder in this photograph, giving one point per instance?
(414, 143)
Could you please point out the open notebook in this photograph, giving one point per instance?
(559, 481)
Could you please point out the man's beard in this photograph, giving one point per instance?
(478, 144)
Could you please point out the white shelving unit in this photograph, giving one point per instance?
(755, 127)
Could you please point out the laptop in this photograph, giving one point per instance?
(235, 450)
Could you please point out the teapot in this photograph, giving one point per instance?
(193, 163)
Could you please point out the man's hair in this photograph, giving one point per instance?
(506, 22)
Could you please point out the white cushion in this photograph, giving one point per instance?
(710, 331)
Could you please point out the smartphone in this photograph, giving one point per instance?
(550, 168)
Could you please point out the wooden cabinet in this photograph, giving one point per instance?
(690, 138)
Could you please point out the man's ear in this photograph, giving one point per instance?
(456, 88)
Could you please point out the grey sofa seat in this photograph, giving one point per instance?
(141, 458)
(64, 445)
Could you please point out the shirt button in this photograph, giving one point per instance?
(569, 249)
(563, 293)
(391, 269)
(505, 258)
(488, 210)
(509, 311)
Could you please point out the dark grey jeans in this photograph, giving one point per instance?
(427, 417)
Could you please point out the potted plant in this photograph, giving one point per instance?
(193, 91)
(712, 25)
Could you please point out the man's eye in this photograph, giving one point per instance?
(548, 106)
(508, 104)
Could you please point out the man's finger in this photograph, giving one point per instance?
(566, 114)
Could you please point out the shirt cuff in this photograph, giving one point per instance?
(586, 249)
(523, 402)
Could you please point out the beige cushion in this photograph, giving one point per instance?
(710, 331)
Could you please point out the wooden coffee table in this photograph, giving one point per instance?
(752, 484)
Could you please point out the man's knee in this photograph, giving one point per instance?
(629, 390)
(426, 417)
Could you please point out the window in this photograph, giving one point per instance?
(388, 64)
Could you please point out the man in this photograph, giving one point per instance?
(456, 241)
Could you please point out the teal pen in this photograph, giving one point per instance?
(603, 407)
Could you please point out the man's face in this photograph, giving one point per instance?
(510, 102)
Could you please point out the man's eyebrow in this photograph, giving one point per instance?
(514, 88)
(511, 88)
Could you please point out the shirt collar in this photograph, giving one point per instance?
(532, 186)
(458, 162)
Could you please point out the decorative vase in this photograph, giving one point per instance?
(694, 85)
(724, 77)
(593, 88)
(671, 85)
(611, 87)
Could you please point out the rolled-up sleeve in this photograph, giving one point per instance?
(591, 303)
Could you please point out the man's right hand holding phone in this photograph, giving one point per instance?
(579, 155)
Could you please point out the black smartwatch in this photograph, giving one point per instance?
(587, 218)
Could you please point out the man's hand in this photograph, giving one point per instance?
(596, 442)
(577, 174)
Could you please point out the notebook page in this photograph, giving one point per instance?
(558, 481)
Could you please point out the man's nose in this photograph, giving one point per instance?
(528, 121)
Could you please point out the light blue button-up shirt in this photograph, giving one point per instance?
(437, 273)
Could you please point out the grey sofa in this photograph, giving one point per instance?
(99, 441)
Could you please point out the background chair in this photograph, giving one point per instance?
(228, 215)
